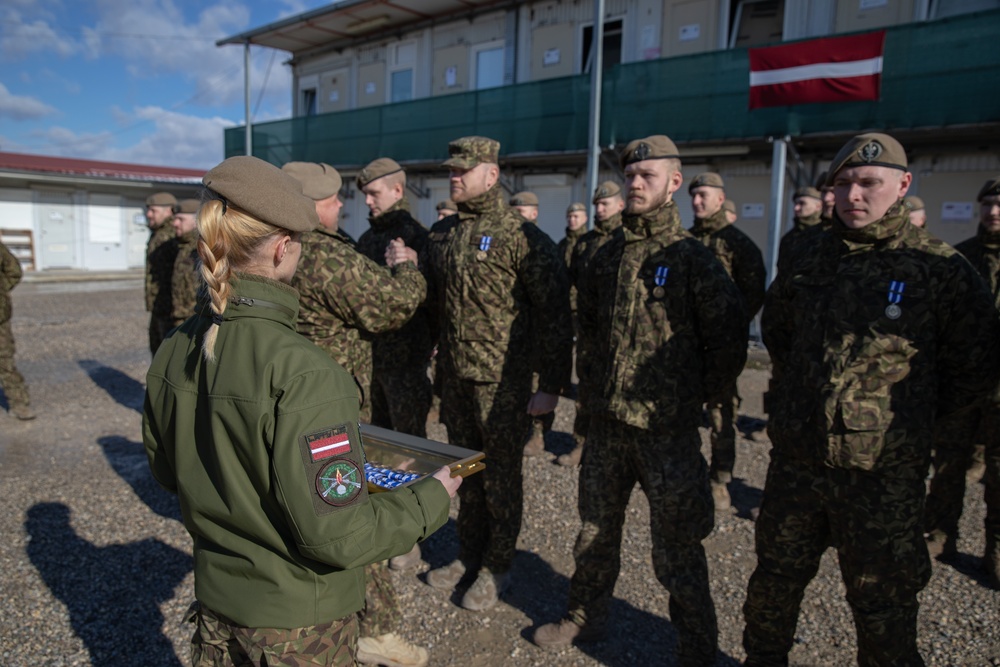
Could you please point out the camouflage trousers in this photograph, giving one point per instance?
(11, 381)
(874, 522)
(381, 613)
(722, 412)
(218, 642)
(953, 451)
(402, 399)
(674, 476)
(991, 561)
(492, 418)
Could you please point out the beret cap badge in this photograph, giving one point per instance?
(641, 152)
(870, 151)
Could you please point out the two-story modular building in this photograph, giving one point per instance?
(400, 78)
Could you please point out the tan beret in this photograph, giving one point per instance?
(605, 190)
(467, 152)
(161, 199)
(869, 149)
(914, 202)
(807, 192)
(656, 147)
(376, 169)
(318, 179)
(189, 206)
(821, 181)
(264, 191)
(990, 188)
(709, 179)
(447, 205)
(524, 199)
(729, 205)
(576, 206)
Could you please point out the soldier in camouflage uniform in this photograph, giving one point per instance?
(918, 210)
(445, 208)
(826, 192)
(807, 204)
(185, 279)
(576, 227)
(11, 380)
(745, 265)
(954, 451)
(500, 290)
(345, 301)
(669, 331)
(729, 206)
(401, 390)
(161, 250)
(874, 333)
(608, 207)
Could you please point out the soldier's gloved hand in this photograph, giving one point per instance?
(542, 403)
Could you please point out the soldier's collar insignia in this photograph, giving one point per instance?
(870, 151)
(641, 152)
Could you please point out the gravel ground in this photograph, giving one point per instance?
(96, 568)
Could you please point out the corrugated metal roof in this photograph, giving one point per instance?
(19, 162)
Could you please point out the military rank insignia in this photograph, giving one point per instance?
(339, 482)
(893, 311)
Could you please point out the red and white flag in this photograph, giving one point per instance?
(833, 69)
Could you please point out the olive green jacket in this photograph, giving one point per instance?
(246, 443)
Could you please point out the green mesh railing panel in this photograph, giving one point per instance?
(935, 74)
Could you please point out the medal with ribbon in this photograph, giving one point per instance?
(484, 245)
(660, 279)
(893, 311)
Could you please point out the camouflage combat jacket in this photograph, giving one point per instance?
(872, 334)
(499, 290)
(10, 275)
(739, 255)
(667, 323)
(186, 279)
(566, 247)
(161, 250)
(798, 237)
(983, 252)
(345, 299)
(411, 345)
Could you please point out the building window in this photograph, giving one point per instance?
(489, 65)
(612, 45)
(401, 85)
(402, 58)
(757, 22)
(309, 102)
(943, 8)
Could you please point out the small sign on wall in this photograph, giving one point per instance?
(550, 57)
(690, 32)
(871, 4)
(334, 95)
(451, 76)
(370, 88)
(752, 211)
(956, 211)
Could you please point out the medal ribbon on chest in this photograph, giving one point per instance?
(484, 242)
(895, 296)
(660, 279)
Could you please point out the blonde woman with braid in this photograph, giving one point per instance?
(256, 430)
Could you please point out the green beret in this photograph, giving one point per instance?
(376, 169)
(991, 188)
(318, 179)
(807, 192)
(161, 199)
(467, 152)
(709, 179)
(729, 205)
(524, 199)
(656, 147)
(189, 206)
(605, 190)
(448, 205)
(914, 202)
(869, 149)
(264, 191)
(576, 206)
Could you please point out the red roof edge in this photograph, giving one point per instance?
(78, 167)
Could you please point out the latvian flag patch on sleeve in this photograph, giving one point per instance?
(328, 442)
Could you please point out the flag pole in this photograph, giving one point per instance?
(779, 157)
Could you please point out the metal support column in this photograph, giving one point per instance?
(246, 97)
(596, 78)
(779, 158)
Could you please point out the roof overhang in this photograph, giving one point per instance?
(348, 22)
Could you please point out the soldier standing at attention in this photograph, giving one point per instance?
(525, 204)
(11, 381)
(955, 453)
(743, 262)
(501, 292)
(876, 332)
(670, 331)
(345, 300)
(807, 203)
(608, 207)
(161, 250)
(918, 211)
(445, 208)
(576, 227)
(185, 278)
(826, 191)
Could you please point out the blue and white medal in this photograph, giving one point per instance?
(893, 311)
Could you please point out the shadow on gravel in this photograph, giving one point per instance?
(745, 498)
(969, 565)
(118, 385)
(129, 460)
(112, 593)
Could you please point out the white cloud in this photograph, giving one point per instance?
(22, 36)
(21, 107)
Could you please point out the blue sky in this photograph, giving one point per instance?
(138, 81)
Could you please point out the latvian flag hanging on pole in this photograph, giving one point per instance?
(834, 69)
